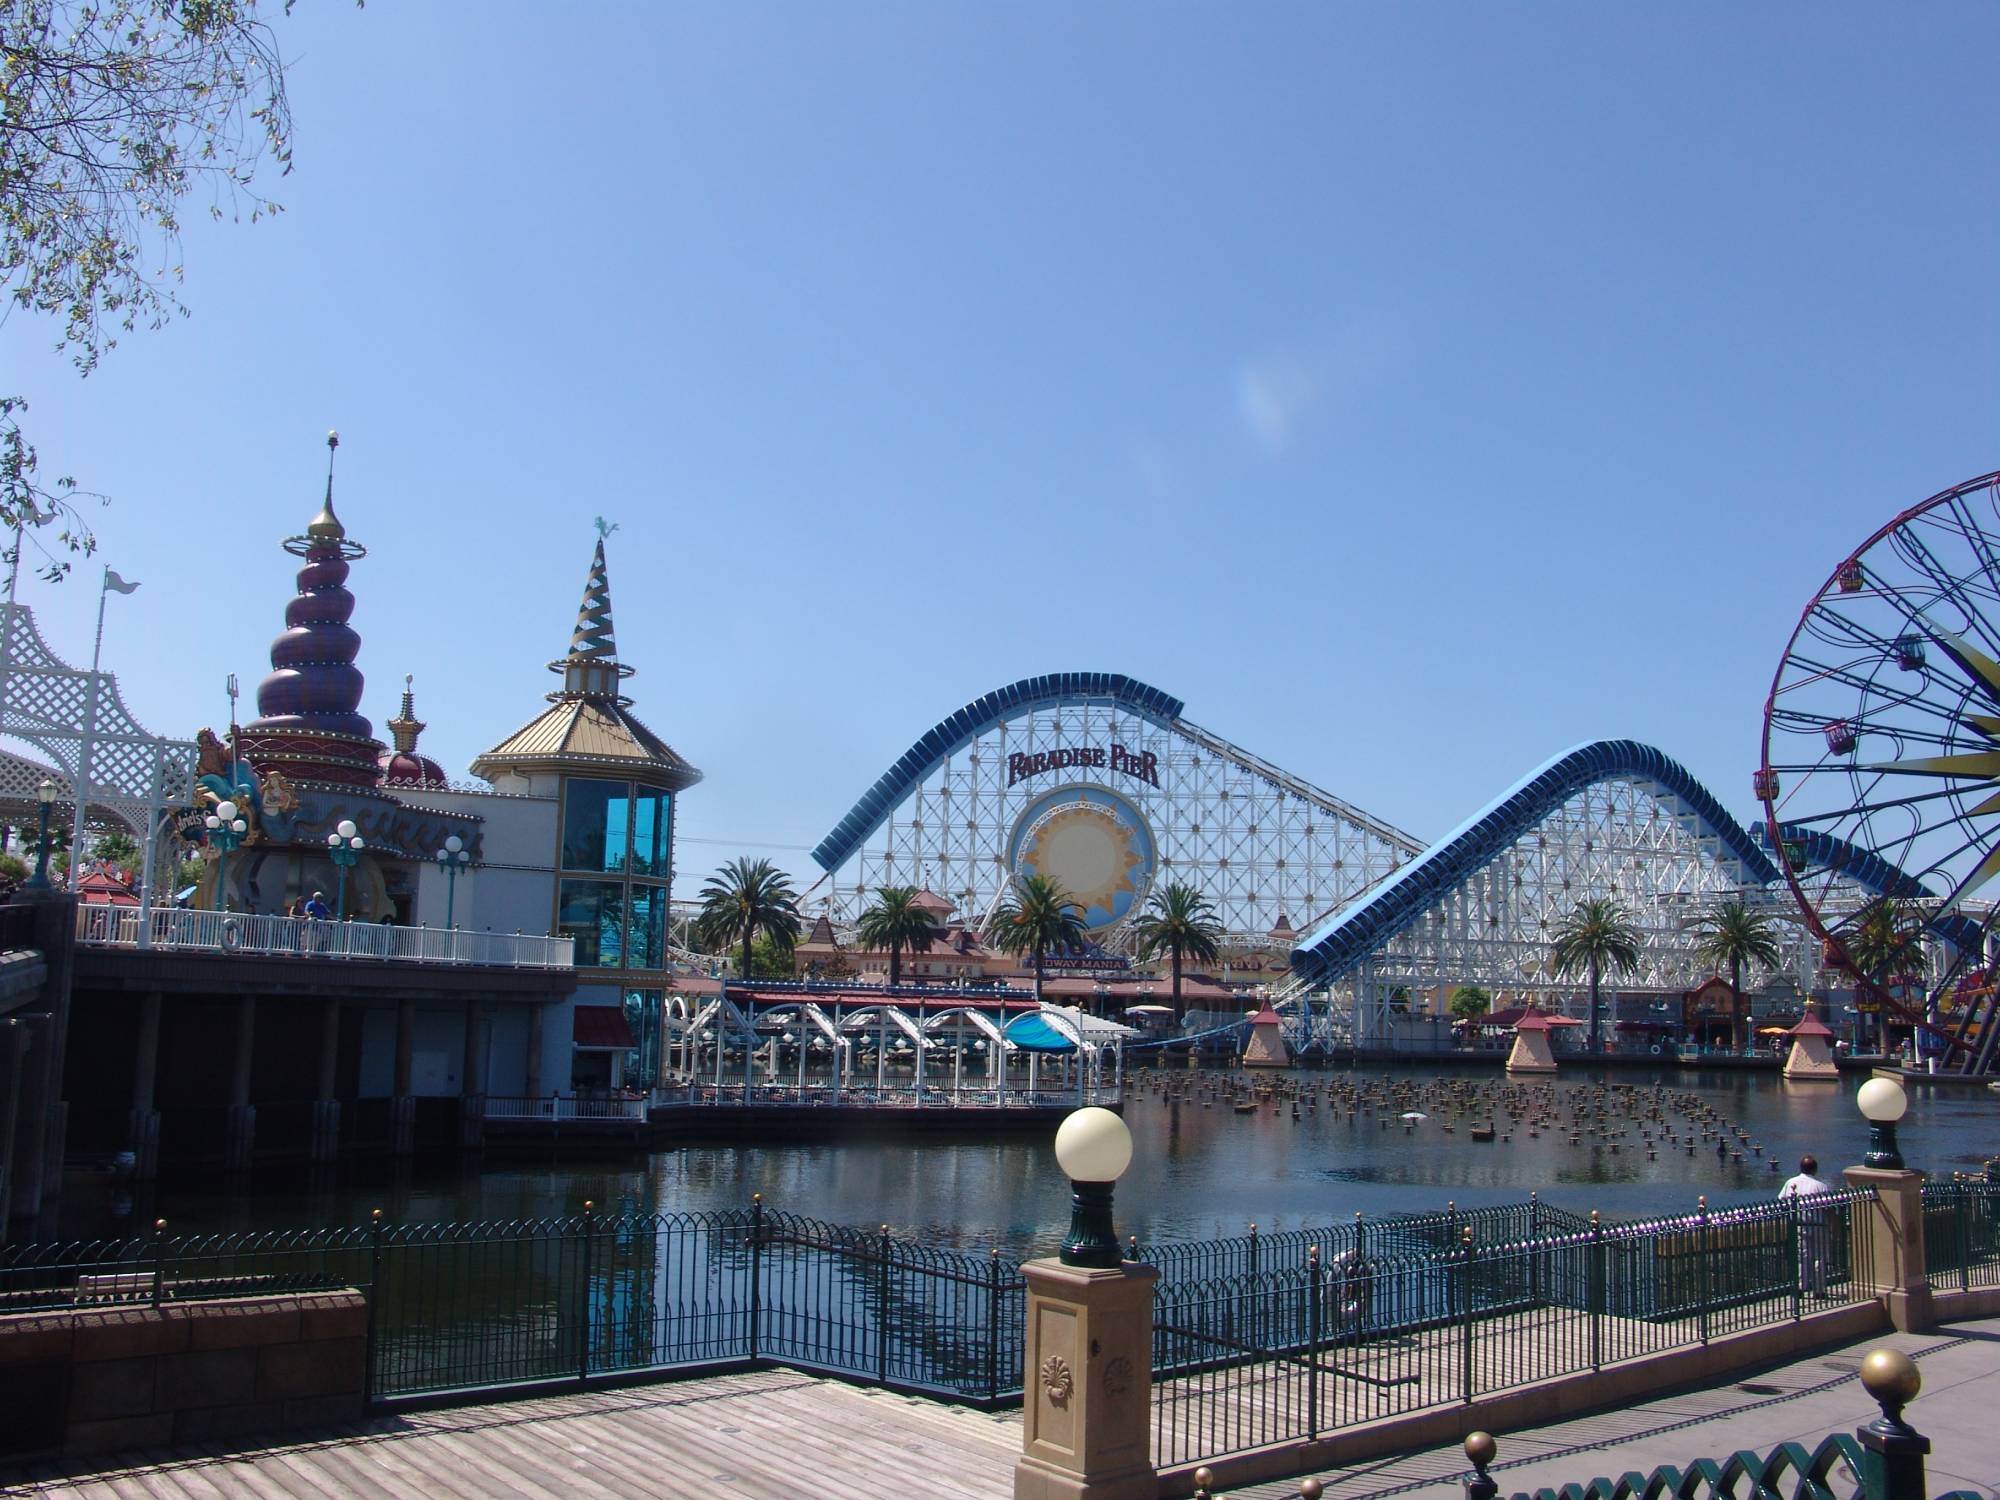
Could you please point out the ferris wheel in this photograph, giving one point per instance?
(1880, 772)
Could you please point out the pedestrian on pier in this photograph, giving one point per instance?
(1812, 1225)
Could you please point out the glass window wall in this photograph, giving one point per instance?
(616, 828)
(595, 822)
(652, 832)
(591, 912)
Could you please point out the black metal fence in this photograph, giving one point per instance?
(1258, 1339)
(1289, 1352)
(1962, 1234)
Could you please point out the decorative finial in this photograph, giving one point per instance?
(1892, 1378)
(605, 528)
(406, 726)
(325, 528)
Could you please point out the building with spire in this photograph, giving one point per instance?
(310, 762)
(611, 784)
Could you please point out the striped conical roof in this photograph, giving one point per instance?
(592, 639)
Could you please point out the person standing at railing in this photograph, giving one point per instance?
(1812, 1225)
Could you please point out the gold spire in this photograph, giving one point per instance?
(326, 527)
(406, 726)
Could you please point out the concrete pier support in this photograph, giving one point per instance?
(240, 1142)
(402, 1105)
(143, 1127)
(15, 1039)
(326, 1108)
(1088, 1377)
(534, 1078)
(472, 1080)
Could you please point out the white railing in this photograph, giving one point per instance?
(171, 929)
(820, 1096)
(563, 1107)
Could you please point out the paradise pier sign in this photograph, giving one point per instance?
(1142, 764)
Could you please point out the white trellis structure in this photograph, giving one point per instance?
(1257, 841)
(1610, 821)
(125, 775)
(839, 1048)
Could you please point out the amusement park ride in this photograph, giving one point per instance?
(1879, 784)
(1880, 774)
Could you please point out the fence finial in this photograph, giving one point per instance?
(1310, 1489)
(1893, 1379)
(1480, 1448)
(1204, 1480)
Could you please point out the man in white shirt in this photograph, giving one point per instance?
(1812, 1226)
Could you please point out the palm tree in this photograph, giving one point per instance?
(1180, 922)
(1879, 944)
(1734, 934)
(1040, 915)
(896, 922)
(1597, 936)
(746, 897)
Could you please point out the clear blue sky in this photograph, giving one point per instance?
(1414, 390)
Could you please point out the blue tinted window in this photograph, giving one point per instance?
(592, 912)
(652, 832)
(595, 819)
(648, 944)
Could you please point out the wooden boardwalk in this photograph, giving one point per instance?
(770, 1433)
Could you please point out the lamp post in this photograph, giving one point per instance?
(225, 832)
(1093, 1147)
(343, 847)
(451, 859)
(46, 795)
(1883, 1102)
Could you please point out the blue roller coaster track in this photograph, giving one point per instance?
(952, 734)
(1338, 945)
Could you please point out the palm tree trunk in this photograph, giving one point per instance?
(895, 963)
(1038, 973)
(1596, 1035)
(1736, 1037)
(748, 933)
(1178, 1011)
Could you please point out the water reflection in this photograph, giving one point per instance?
(1197, 1172)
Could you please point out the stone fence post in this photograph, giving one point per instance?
(1888, 1244)
(1087, 1384)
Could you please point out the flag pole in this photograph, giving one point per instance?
(82, 785)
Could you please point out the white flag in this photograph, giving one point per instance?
(113, 581)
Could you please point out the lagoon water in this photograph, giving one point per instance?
(1196, 1172)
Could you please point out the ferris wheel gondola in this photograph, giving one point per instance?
(1880, 772)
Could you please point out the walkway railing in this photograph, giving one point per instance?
(172, 929)
(564, 1107)
(1396, 1319)
(1962, 1234)
(1295, 1349)
(892, 1095)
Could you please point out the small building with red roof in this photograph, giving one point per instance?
(1811, 1057)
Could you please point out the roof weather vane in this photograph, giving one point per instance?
(605, 528)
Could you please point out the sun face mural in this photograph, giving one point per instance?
(1092, 842)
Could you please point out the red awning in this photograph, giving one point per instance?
(603, 1028)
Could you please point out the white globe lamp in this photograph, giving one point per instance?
(1093, 1147)
(1883, 1102)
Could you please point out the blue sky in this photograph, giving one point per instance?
(1414, 390)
